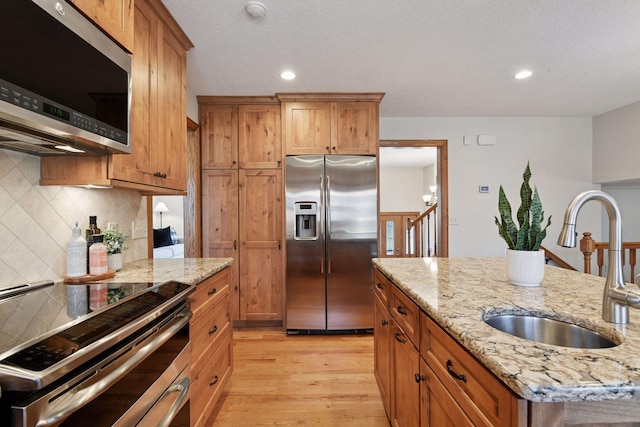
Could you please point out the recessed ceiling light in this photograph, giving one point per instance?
(524, 74)
(287, 75)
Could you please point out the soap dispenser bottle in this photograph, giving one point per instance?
(76, 254)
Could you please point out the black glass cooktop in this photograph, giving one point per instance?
(81, 315)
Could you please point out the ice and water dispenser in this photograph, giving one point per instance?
(306, 227)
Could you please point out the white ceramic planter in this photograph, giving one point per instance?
(114, 262)
(525, 268)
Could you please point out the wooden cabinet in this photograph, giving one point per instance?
(382, 341)
(330, 123)
(242, 219)
(211, 345)
(242, 200)
(434, 380)
(240, 132)
(158, 132)
(115, 18)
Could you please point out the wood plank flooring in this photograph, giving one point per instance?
(301, 380)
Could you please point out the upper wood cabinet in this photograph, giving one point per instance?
(330, 123)
(158, 132)
(240, 132)
(115, 18)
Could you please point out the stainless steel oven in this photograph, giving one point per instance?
(110, 357)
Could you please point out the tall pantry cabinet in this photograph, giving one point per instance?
(242, 200)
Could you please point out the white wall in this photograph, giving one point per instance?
(559, 150)
(401, 190)
(616, 145)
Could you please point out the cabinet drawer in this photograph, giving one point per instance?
(406, 313)
(208, 384)
(208, 330)
(483, 397)
(208, 292)
(382, 288)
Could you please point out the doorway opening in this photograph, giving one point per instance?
(430, 180)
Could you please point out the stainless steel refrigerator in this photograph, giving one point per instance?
(331, 215)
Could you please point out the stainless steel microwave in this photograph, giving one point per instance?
(65, 87)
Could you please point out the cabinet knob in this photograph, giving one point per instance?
(379, 286)
(385, 322)
(419, 378)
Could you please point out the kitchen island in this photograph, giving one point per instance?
(554, 382)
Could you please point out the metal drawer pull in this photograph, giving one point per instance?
(385, 323)
(419, 378)
(453, 373)
(213, 330)
(399, 338)
(212, 291)
(214, 382)
(402, 310)
(379, 285)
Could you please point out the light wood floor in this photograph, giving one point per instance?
(301, 380)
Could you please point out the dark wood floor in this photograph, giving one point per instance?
(303, 380)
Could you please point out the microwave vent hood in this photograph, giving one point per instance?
(65, 87)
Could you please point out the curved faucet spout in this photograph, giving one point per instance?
(615, 300)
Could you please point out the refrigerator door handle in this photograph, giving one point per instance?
(328, 224)
(321, 222)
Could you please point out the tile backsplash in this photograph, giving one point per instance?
(36, 221)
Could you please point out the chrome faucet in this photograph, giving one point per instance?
(616, 298)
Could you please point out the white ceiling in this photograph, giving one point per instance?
(430, 57)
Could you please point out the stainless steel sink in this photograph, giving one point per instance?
(549, 331)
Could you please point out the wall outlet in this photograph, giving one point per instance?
(138, 230)
(453, 220)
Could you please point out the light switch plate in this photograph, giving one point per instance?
(138, 230)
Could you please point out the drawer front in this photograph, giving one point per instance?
(208, 292)
(406, 313)
(208, 330)
(484, 398)
(437, 407)
(207, 386)
(382, 288)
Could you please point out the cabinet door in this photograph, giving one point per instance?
(137, 166)
(405, 394)
(307, 127)
(114, 17)
(437, 407)
(261, 294)
(170, 150)
(220, 224)
(382, 352)
(219, 130)
(354, 128)
(259, 140)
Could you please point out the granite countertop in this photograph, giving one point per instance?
(458, 292)
(186, 270)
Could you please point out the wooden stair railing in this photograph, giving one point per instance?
(588, 246)
(556, 259)
(418, 242)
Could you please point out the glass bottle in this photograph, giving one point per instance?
(76, 254)
(97, 256)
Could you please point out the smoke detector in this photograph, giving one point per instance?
(255, 9)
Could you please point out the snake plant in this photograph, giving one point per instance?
(528, 235)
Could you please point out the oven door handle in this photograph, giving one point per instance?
(181, 386)
(62, 407)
